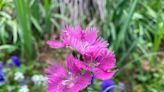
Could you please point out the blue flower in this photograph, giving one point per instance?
(107, 86)
(92, 78)
(16, 61)
(2, 78)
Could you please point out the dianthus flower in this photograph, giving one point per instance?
(100, 65)
(79, 39)
(94, 62)
(72, 80)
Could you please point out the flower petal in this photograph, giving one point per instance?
(107, 61)
(77, 45)
(93, 52)
(72, 32)
(58, 87)
(103, 75)
(2, 77)
(82, 65)
(16, 61)
(90, 35)
(81, 82)
(107, 84)
(55, 44)
(55, 76)
(71, 66)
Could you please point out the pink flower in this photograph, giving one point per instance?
(72, 81)
(100, 64)
(79, 39)
(97, 60)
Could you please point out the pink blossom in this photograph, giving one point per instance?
(79, 39)
(71, 81)
(55, 44)
(101, 64)
(70, 64)
(97, 60)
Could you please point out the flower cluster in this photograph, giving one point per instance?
(13, 71)
(15, 61)
(93, 60)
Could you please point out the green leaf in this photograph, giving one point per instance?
(23, 16)
(36, 24)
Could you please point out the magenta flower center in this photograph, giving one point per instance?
(70, 81)
(66, 34)
(93, 64)
(84, 45)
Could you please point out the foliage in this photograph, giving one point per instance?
(23, 16)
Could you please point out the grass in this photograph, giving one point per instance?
(23, 16)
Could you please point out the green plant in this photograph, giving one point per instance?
(23, 16)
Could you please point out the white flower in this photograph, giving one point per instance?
(10, 88)
(18, 76)
(23, 89)
(38, 79)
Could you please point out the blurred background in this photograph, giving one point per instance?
(133, 28)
